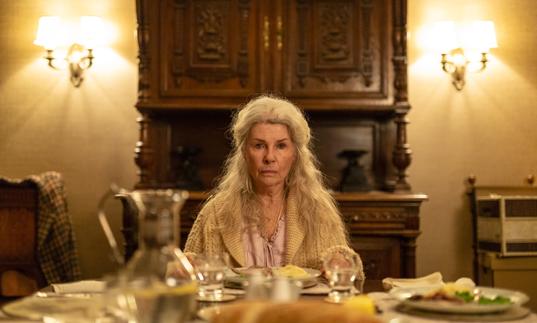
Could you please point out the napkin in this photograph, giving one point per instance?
(83, 286)
(234, 291)
(433, 280)
(319, 289)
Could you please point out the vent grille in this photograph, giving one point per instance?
(521, 208)
(521, 246)
(488, 208)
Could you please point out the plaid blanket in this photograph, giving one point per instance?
(56, 247)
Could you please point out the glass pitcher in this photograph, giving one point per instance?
(158, 283)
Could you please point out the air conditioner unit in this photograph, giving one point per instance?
(507, 224)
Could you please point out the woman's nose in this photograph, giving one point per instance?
(269, 156)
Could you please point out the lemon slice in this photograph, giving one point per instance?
(360, 303)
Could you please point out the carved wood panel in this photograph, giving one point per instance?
(334, 48)
(208, 48)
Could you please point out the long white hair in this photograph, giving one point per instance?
(235, 188)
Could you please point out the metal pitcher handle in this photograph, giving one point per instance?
(111, 192)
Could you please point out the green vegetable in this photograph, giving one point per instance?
(496, 300)
(468, 297)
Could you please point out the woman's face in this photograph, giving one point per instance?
(270, 154)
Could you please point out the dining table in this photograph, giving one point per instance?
(388, 308)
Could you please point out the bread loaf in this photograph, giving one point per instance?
(303, 311)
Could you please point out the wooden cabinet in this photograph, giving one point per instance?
(343, 61)
(319, 54)
(383, 228)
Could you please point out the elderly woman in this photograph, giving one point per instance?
(270, 207)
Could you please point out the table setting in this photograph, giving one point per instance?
(405, 300)
(160, 283)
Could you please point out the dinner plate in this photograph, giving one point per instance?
(444, 306)
(38, 307)
(236, 277)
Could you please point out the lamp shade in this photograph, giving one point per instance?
(479, 35)
(48, 32)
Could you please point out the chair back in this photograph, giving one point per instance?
(19, 212)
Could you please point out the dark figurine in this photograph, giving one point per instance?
(187, 176)
(354, 178)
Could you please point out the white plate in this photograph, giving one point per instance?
(38, 307)
(403, 295)
(235, 280)
(225, 298)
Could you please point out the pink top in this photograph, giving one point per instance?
(261, 252)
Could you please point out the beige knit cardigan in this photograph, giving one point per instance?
(210, 235)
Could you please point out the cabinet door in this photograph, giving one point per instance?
(207, 49)
(381, 257)
(335, 50)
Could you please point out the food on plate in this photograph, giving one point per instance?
(361, 304)
(290, 271)
(264, 271)
(461, 293)
(304, 311)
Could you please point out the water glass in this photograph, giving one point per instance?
(341, 270)
(210, 271)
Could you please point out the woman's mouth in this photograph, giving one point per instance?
(267, 172)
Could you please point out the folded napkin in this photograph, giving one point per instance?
(234, 291)
(319, 289)
(432, 280)
(83, 286)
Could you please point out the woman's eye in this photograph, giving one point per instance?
(281, 145)
(259, 146)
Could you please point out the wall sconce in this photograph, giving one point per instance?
(464, 47)
(70, 46)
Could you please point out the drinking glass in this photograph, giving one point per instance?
(341, 270)
(210, 271)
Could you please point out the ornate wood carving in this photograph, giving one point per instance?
(334, 23)
(144, 154)
(399, 51)
(402, 153)
(210, 41)
(375, 215)
(242, 65)
(302, 9)
(205, 47)
(367, 52)
(335, 45)
(142, 14)
(178, 60)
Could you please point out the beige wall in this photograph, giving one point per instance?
(88, 134)
(488, 129)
